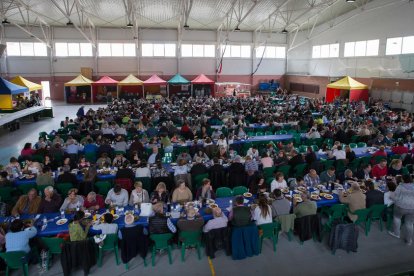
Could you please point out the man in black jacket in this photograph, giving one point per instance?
(365, 173)
(296, 159)
(125, 172)
(373, 196)
(67, 177)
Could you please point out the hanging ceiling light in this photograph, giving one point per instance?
(186, 26)
(5, 21)
(237, 29)
(69, 23)
(130, 25)
(284, 31)
(350, 1)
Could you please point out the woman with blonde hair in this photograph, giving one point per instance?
(160, 194)
(396, 167)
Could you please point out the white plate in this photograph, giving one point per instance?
(87, 215)
(61, 221)
(116, 217)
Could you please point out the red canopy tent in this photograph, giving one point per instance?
(347, 88)
(104, 90)
(203, 86)
(153, 85)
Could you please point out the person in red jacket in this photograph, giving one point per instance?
(400, 148)
(380, 169)
(94, 202)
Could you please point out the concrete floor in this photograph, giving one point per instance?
(378, 254)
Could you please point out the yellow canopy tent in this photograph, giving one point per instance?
(19, 80)
(78, 90)
(347, 87)
(129, 87)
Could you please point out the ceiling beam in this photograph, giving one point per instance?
(274, 13)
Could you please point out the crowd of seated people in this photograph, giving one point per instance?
(133, 138)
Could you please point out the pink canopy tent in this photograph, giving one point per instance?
(104, 90)
(153, 84)
(203, 82)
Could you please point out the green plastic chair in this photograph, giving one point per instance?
(37, 158)
(353, 145)
(269, 231)
(376, 212)
(103, 187)
(190, 239)
(299, 170)
(389, 211)
(268, 172)
(90, 157)
(25, 188)
(362, 145)
(55, 248)
(328, 163)
(377, 159)
(365, 160)
(15, 260)
(198, 180)
(268, 133)
(354, 165)
(161, 242)
(43, 134)
(284, 169)
(63, 188)
(363, 219)
(239, 190)
(224, 192)
(110, 243)
(335, 212)
(340, 165)
(6, 194)
(259, 133)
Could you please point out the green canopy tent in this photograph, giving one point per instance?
(178, 85)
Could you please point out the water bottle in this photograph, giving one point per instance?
(136, 209)
(62, 214)
(44, 222)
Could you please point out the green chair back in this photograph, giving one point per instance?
(161, 242)
(338, 211)
(63, 188)
(25, 188)
(363, 219)
(6, 194)
(328, 163)
(376, 212)
(300, 169)
(284, 169)
(190, 238)
(90, 157)
(239, 190)
(269, 231)
(103, 187)
(268, 172)
(54, 244)
(15, 260)
(353, 145)
(362, 145)
(224, 192)
(110, 243)
(259, 133)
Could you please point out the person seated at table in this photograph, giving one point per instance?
(18, 238)
(88, 139)
(181, 193)
(118, 160)
(379, 141)
(4, 180)
(304, 208)
(120, 145)
(27, 204)
(159, 223)
(266, 160)
(258, 185)
(222, 142)
(198, 167)
(32, 167)
(313, 133)
(94, 202)
(328, 175)
(105, 147)
(347, 176)
(45, 177)
(160, 194)
(51, 201)
(67, 177)
(78, 228)
(278, 182)
(396, 167)
(183, 157)
(192, 222)
(296, 159)
(13, 168)
(364, 173)
(262, 213)
(154, 156)
(240, 215)
(310, 156)
(73, 201)
(338, 153)
(380, 152)
(143, 170)
(389, 194)
(219, 221)
(166, 143)
(350, 154)
(202, 155)
(83, 164)
(281, 159)
(373, 196)
(117, 197)
(159, 171)
(107, 227)
(312, 179)
(380, 170)
(222, 154)
(250, 165)
(181, 173)
(104, 161)
(48, 162)
(355, 200)
(253, 152)
(205, 191)
(138, 195)
(124, 171)
(280, 205)
(400, 148)
(27, 150)
(389, 140)
(57, 140)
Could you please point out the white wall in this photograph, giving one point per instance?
(394, 19)
(69, 66)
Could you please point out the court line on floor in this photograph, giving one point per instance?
(213, 272)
